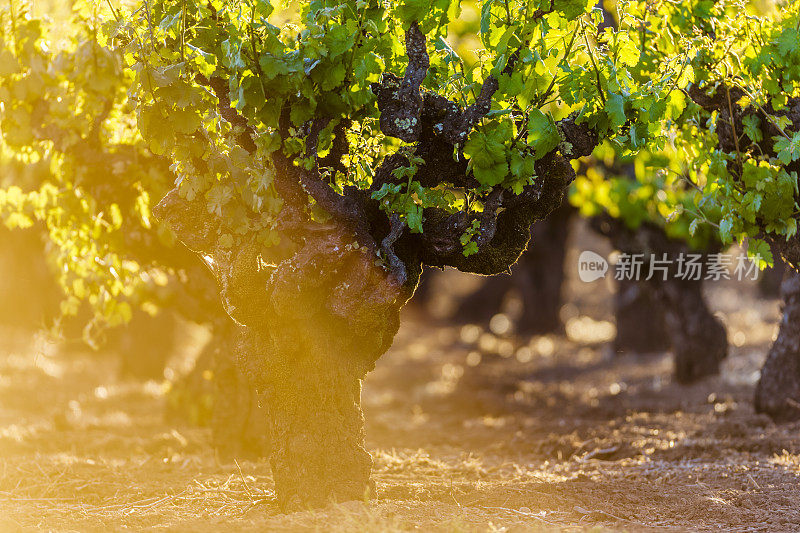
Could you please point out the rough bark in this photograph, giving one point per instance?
(313, 328)
(318, 429)
(778, 389)
(313, 404)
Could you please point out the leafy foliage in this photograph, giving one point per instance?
(660, 189)
(75, 164)
(550, 61)
(717, 178)
(243, 97)
(739, 136)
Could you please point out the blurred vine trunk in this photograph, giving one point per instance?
(778, 389)
(239, 423)
(145, 344)
(29, 293)
(538, 277)
(769, 282)
(540, 274)
(698, 339)
(30, 297)
(217, 394)
(640, 321)
(485, 302)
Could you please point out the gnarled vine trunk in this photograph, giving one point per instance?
(320, 307)
(312, 397)
(314, 325)
(778, 389)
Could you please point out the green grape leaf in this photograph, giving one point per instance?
(484, 150)
(752, 128)
(788, 149)
(491, 175)
(414, 218)
(759, 250)
(543, 135)
(788, 41)
(573, 9)
(272, 67)
(471, 248)
(615, 107)
(725, 227)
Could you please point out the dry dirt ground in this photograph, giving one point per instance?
(470, 430)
